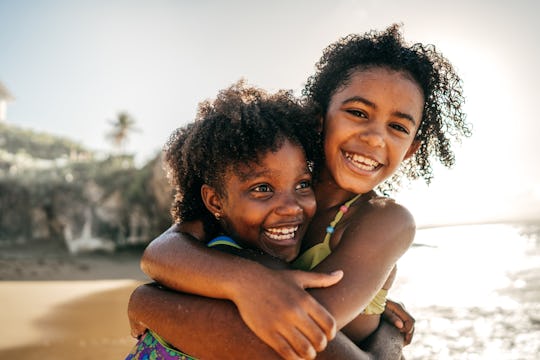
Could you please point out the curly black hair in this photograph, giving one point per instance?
(443, 116)
(236, 129)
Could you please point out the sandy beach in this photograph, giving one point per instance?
(474, 291)
(56, 320)
(57, 306)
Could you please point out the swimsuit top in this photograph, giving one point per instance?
(317, 253)
(223, 240)
(313, 256)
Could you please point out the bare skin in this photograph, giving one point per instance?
(370, 127)
(388, 339)
(235, 271)
(176, 307)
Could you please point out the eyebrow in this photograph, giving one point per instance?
(250, 175)
(374, 106)
(257, 174)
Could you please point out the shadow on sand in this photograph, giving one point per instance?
(90, 327)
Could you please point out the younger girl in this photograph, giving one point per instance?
(242, 167)
(387, 109)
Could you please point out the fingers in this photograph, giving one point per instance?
(283, 348)
(409, 330)
(318, 329)
(397, 315)
(293, 324)
(313, 327)
(324, 322)
(394, 319)
(408, 326)
(392, 316)
(409, 336)
(314, 323)
(302, 347)
(317, 280)
(298, 349)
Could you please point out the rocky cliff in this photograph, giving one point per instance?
(86, 201)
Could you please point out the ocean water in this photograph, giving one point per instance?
(474, 292)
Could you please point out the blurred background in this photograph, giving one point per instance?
(91, 90)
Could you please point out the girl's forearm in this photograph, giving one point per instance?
(211, 328)
(179, 261)
(272, 303)
(201, 327)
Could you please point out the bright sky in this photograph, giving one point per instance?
(72, 65)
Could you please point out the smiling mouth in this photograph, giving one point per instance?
(362, 162)
(281, 233)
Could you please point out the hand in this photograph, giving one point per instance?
(282, 314)
(396, 314)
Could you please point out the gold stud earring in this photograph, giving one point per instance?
(217, 215)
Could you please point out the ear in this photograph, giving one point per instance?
(211, 199)
(412, 149)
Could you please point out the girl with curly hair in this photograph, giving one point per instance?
(242, 168)
(387, 109)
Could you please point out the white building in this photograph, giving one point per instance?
(5, 97)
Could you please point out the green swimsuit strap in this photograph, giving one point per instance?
(342, 210)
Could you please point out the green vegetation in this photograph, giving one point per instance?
(52, 189)
(16, 140)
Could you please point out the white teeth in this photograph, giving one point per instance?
(281, 233)
(362, 162)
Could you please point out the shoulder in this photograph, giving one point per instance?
(194, 228)
(382, 219)
(384, 209)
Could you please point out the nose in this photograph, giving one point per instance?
(288, 205)
(373, 135)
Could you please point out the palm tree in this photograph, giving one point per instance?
(123, 125)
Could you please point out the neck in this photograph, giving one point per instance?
(328, 193)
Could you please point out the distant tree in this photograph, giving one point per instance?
(123, 126)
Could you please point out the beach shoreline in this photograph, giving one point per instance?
(60, 306)
(36, 261)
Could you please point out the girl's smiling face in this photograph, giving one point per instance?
(370, 127)
(268, 204)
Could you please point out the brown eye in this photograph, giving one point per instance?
(400, 128)
(357, 113)
(262, 188)
(306, 184)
